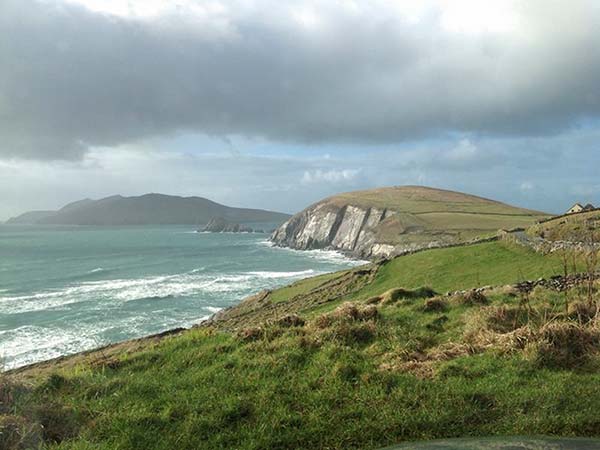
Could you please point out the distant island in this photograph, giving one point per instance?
(221, 225)
(148, 209)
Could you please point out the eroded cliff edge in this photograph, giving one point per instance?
(348, 228)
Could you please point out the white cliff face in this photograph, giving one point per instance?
(347, 228)
(316, 231)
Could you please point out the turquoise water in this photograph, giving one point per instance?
(67, 289)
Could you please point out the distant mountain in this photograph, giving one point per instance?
(30, 217)
(149, 209)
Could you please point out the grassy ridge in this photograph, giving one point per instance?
(358, 377)
(420, 200)
(424, 215)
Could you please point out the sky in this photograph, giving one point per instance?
(276, 104)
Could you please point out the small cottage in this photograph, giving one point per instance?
(576, 208)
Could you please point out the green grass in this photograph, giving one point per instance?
(344, 385)
(419, 200)
(207, 390)
(444, 270)
(300, 287)
(455, 268)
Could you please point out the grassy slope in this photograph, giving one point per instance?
(567, 227)
(324, 388)
(420, 200)
(444, 270)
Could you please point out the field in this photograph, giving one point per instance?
(397, 363)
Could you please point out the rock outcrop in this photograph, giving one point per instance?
(220, 225)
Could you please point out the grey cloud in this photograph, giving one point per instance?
(72, 79)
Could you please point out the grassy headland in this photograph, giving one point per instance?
(395, 220)
(360, 359)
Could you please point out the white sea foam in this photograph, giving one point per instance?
(158, 287)
(94, 310)
(28, 344)
(267, 275)
(331, 256)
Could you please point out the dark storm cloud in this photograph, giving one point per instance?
(72, 78)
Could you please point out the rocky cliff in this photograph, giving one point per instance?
(391, 221)
(351, 229)
(220, 225)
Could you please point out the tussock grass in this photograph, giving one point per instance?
(564, 345)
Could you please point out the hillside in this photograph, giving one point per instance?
(30, 217)
(395, 220)
(569, 227)
(299, 367)
(149, 209)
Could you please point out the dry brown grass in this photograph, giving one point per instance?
(18, 433)
(469, 298)
(424, 364)
(582, 311)
(563, 345)
(250, 334)
(436, 304)
(291, 320)
(349, 324)
(347, 312)
(396, 294)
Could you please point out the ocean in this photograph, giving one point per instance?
(68, 289)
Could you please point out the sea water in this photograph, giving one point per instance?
(68, 289)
